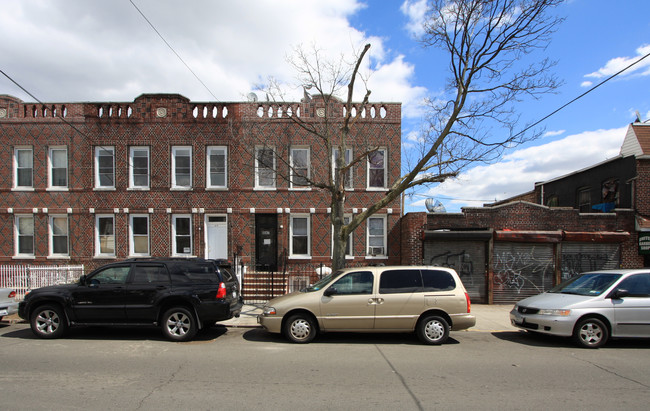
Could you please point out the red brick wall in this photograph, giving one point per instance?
(235, 125)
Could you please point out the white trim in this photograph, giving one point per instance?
(174, 154)
(17, 217)
(98, 151)
(15, 186)
(257, 167)
(50, 169)
(131, 236)
(208, 165)
(292, 173)
(132, 185)
(291, 220)
(98, 253)
(348, 185)
(384, 244)
(50, 236)
(385, 168)
(174, 253)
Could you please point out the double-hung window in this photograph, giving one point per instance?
(348, 183)
(300, 234)
(139, 168)
(299, 164)
(23, 168)
(139, 235)
(217, 167)
(105, 235)
(24, 235)
(264, 168)
(182, 235)
(377, 169)
(104, 167)
(376, 236)
(182, 167)
(58, 168)
(348, 246)
(58, 238)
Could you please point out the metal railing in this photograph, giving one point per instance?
(27, 277)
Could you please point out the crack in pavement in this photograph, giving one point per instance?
(158, 387)
(401, 378)
(613, 373)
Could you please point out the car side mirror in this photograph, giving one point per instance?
(330, 292)
(82, 280)
(618, 294)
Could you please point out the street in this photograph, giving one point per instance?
(247, 368)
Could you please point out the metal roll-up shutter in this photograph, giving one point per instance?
(521, 270)
(467, 258)
(580, 257)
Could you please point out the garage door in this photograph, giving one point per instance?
(521, 270)
(467, 258)
(580, 257)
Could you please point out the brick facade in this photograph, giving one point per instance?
(160, 122)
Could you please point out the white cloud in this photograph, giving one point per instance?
(617, 64)
(519, 170)
(554, 133)
(415, 10)
(586, 84)
(76, 50)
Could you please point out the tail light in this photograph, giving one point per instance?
(222, 291)
(12, 294)
(469, 303)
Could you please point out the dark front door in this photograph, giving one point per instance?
(266, 241)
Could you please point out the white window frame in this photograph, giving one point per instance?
(349, 177)
(99, 236)
(349, 255)
(98, 151)
(293, 217)
(258, 186)
(132, 150)
(175, 218)
(17, 235)
(51, 234)
(17, 168)
(132, 236)
(208, 168)
(370, 236)
(175, 154)
(51, 169)
(292, 170)
(368, 168)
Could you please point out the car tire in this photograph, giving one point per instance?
(300, 328)
(433, 330)
(591, 333)
(48, 321)
(179, 324)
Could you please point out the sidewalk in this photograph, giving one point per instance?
(489, 318)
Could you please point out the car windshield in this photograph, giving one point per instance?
(322, 282)
(587, 284)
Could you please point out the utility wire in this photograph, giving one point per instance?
(172, 49)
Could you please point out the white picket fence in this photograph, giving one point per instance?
(28, 277)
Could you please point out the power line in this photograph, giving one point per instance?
(172, 49)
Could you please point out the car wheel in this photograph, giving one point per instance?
(178, 324)
(300, 328)
(591, 333)
(48, 321)
(433, 330)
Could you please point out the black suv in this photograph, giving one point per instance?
(179, 295)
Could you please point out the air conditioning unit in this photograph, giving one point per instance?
(374, 251)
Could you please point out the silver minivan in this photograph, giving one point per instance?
(428, 300)
(591, 307)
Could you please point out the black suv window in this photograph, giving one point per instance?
(195, 272)
(438, 280)
(150, 274)
(111, 275)
(400, 281)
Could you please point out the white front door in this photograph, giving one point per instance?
(216, 232)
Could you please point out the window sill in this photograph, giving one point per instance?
(28, 189)
(216, 189)
(299, 189)
(376, 189)
(299, 257)
(23, 257)
(138, 189)
(376, 257)
(104, 189)
(104, 257)
(58, 257)
(59, 189)
(265, 189)
(181, 189)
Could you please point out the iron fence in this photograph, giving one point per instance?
(27, 277)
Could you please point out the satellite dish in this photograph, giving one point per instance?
(252, 97)
(434, 206)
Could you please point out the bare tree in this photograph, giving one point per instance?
(485, 41)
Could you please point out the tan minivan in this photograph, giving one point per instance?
(427, 300)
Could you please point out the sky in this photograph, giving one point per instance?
(219, 50)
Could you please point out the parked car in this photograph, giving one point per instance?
(591, 307)
(427, 300)
(180, 296)
(8, 303)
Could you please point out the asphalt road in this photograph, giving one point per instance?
(249, 369)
